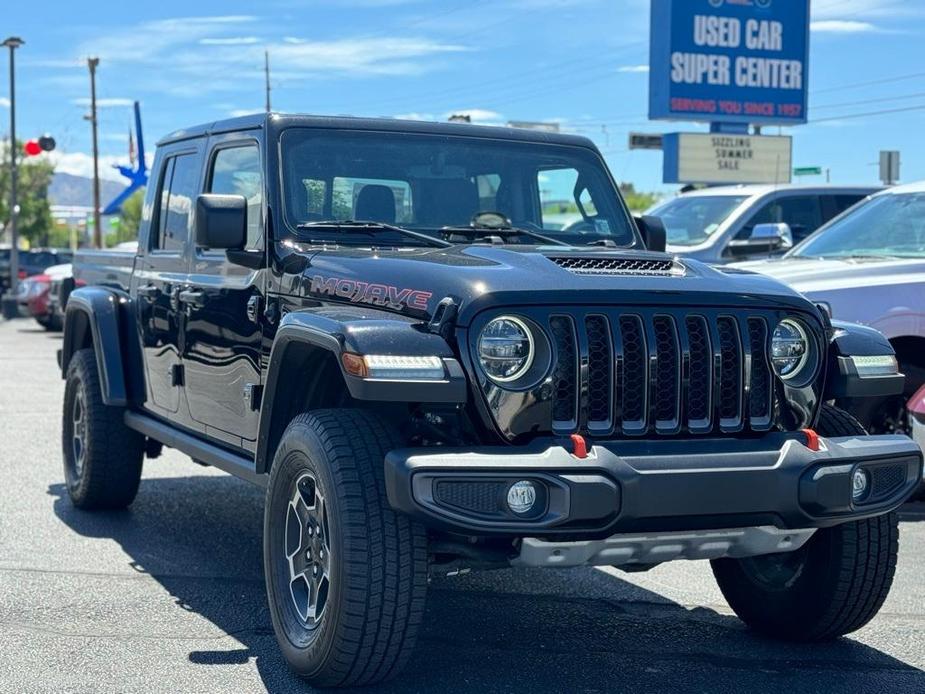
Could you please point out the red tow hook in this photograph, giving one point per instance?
(579, 446)
(812, 439)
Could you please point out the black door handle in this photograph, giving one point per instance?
(193, 298)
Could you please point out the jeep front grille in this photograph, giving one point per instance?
(640, 372)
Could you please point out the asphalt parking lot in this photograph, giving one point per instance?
(169, 597)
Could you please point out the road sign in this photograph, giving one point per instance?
(807, 171)
(645, 141)
(719, 158)
(889, 167)
(733, 61)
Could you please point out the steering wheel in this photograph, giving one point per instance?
(581, 226)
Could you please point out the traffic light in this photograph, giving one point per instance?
(46, 143)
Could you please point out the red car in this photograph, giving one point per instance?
(34, 293)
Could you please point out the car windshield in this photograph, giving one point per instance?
(427, 183)
(690, 220)
(884, 226)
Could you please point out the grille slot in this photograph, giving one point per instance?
(700, 385)
(565, 374)
(730, 387)
(635, 374)
(759, 394)
(667, 374)
(885, 479)
(584, 265)
(600, 372)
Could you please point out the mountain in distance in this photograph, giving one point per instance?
(68, 189)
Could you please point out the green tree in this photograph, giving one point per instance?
(34, 176)
(636, 201)
(130, 217)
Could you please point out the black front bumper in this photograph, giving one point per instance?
(650, 486)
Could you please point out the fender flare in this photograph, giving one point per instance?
(359, 330)
(101, 309)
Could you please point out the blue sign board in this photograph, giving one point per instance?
(729, 61)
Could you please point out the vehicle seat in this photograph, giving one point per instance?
(375, 203)
(447, 202)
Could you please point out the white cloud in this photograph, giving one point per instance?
(109, 102)
(842, 26)
(366, 56)
(4, 102)
(229, 41)
(81, 164)
(633, 68)
(414, 115)
(236, 112)
(845, 9)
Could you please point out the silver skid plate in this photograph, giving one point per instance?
(656, 548)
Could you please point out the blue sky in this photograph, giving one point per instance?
(582, 63)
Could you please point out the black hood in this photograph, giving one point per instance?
(481, 276)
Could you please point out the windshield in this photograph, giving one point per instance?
(884, 226)
(690, 220)
(428, 182)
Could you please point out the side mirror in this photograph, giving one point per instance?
(778, 236)
(221, 221)
(653, 232)
(765, 238)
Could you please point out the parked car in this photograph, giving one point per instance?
(31, 262)
(917, 413)
(868, 266)
(426, 379)
(736, 223)
(34, 295)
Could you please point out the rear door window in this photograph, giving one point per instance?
(179, 185)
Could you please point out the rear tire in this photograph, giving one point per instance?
(102, 456)
(330, 533)
(833, 585)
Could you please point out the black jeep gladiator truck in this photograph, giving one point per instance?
(443, 347)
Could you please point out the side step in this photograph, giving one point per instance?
(213, 455)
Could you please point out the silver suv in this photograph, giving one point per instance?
(730, 223)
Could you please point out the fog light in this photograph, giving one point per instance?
(521, 496)
(860, 481)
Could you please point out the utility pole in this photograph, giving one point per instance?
(10, 307)
(92, 63)
(266, 72)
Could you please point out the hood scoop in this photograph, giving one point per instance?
(592, 265)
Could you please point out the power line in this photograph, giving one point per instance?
(914, 95)
(870, 83)
(920, 107)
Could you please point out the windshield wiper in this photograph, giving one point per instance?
(370, 228)
(502, 232)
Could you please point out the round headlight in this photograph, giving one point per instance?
(789, 348)
(505, 349)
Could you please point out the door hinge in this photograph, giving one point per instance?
(253, 309)
(177, 376)
(253, 393)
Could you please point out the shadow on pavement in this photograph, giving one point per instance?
(527, 631)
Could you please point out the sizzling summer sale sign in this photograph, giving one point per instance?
(740, 61)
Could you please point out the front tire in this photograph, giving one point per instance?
(346, 576)
(833, 585)
(102, 456)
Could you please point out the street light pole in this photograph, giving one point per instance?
(97, 232)
(10, 309)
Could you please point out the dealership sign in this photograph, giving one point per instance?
(720, 158)
(738, 61)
